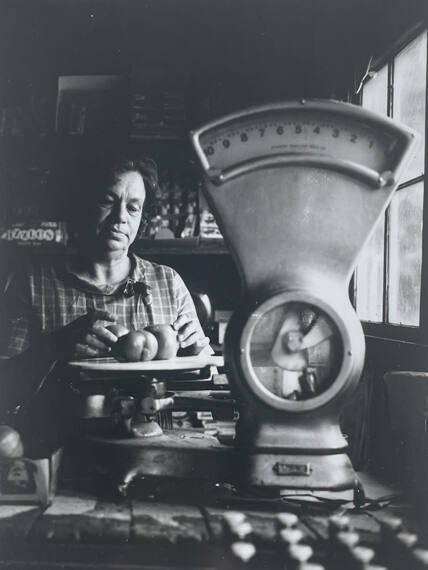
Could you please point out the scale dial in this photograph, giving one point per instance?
(295, 351)
(317, 129)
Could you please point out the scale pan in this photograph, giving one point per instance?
(109, 364)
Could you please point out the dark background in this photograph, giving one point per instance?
(257, 49)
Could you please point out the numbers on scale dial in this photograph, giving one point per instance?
(245, 136)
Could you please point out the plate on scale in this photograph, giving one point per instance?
(110, 364)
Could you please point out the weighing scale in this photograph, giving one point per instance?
(124, 410)
(296, 188)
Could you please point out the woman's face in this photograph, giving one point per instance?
(117, 214)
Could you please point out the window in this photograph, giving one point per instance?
(388, 277)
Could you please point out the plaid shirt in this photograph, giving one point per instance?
(49, 297)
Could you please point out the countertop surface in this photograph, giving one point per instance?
(81, 530)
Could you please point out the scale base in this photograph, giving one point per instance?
(193, 456)
(333, 472)
(175, 455)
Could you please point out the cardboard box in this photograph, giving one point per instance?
(29, 481)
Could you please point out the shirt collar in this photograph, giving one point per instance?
(135, 284)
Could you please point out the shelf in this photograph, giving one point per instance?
(142, 247)
(8, 248)
(190, 246)
(156, 138)
(27, 137)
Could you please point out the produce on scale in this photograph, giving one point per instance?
(167, 341)
(154, 342)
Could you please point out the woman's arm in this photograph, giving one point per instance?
(191, 337)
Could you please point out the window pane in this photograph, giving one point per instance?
(410, 95)
(375, 92)
(369, 273)
(405, 255)
(369, 277)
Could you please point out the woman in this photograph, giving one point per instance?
(59, 311)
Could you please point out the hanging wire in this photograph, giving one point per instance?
(367, 74)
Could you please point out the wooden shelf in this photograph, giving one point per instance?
(10, 249)
(179, 246)
(142, 247)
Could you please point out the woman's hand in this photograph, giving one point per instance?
(190, 336)
(86, 337)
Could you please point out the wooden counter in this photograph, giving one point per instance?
(84, 532)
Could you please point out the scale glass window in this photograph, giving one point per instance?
(389, 272)
(295, 351)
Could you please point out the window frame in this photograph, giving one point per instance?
(415, 334)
